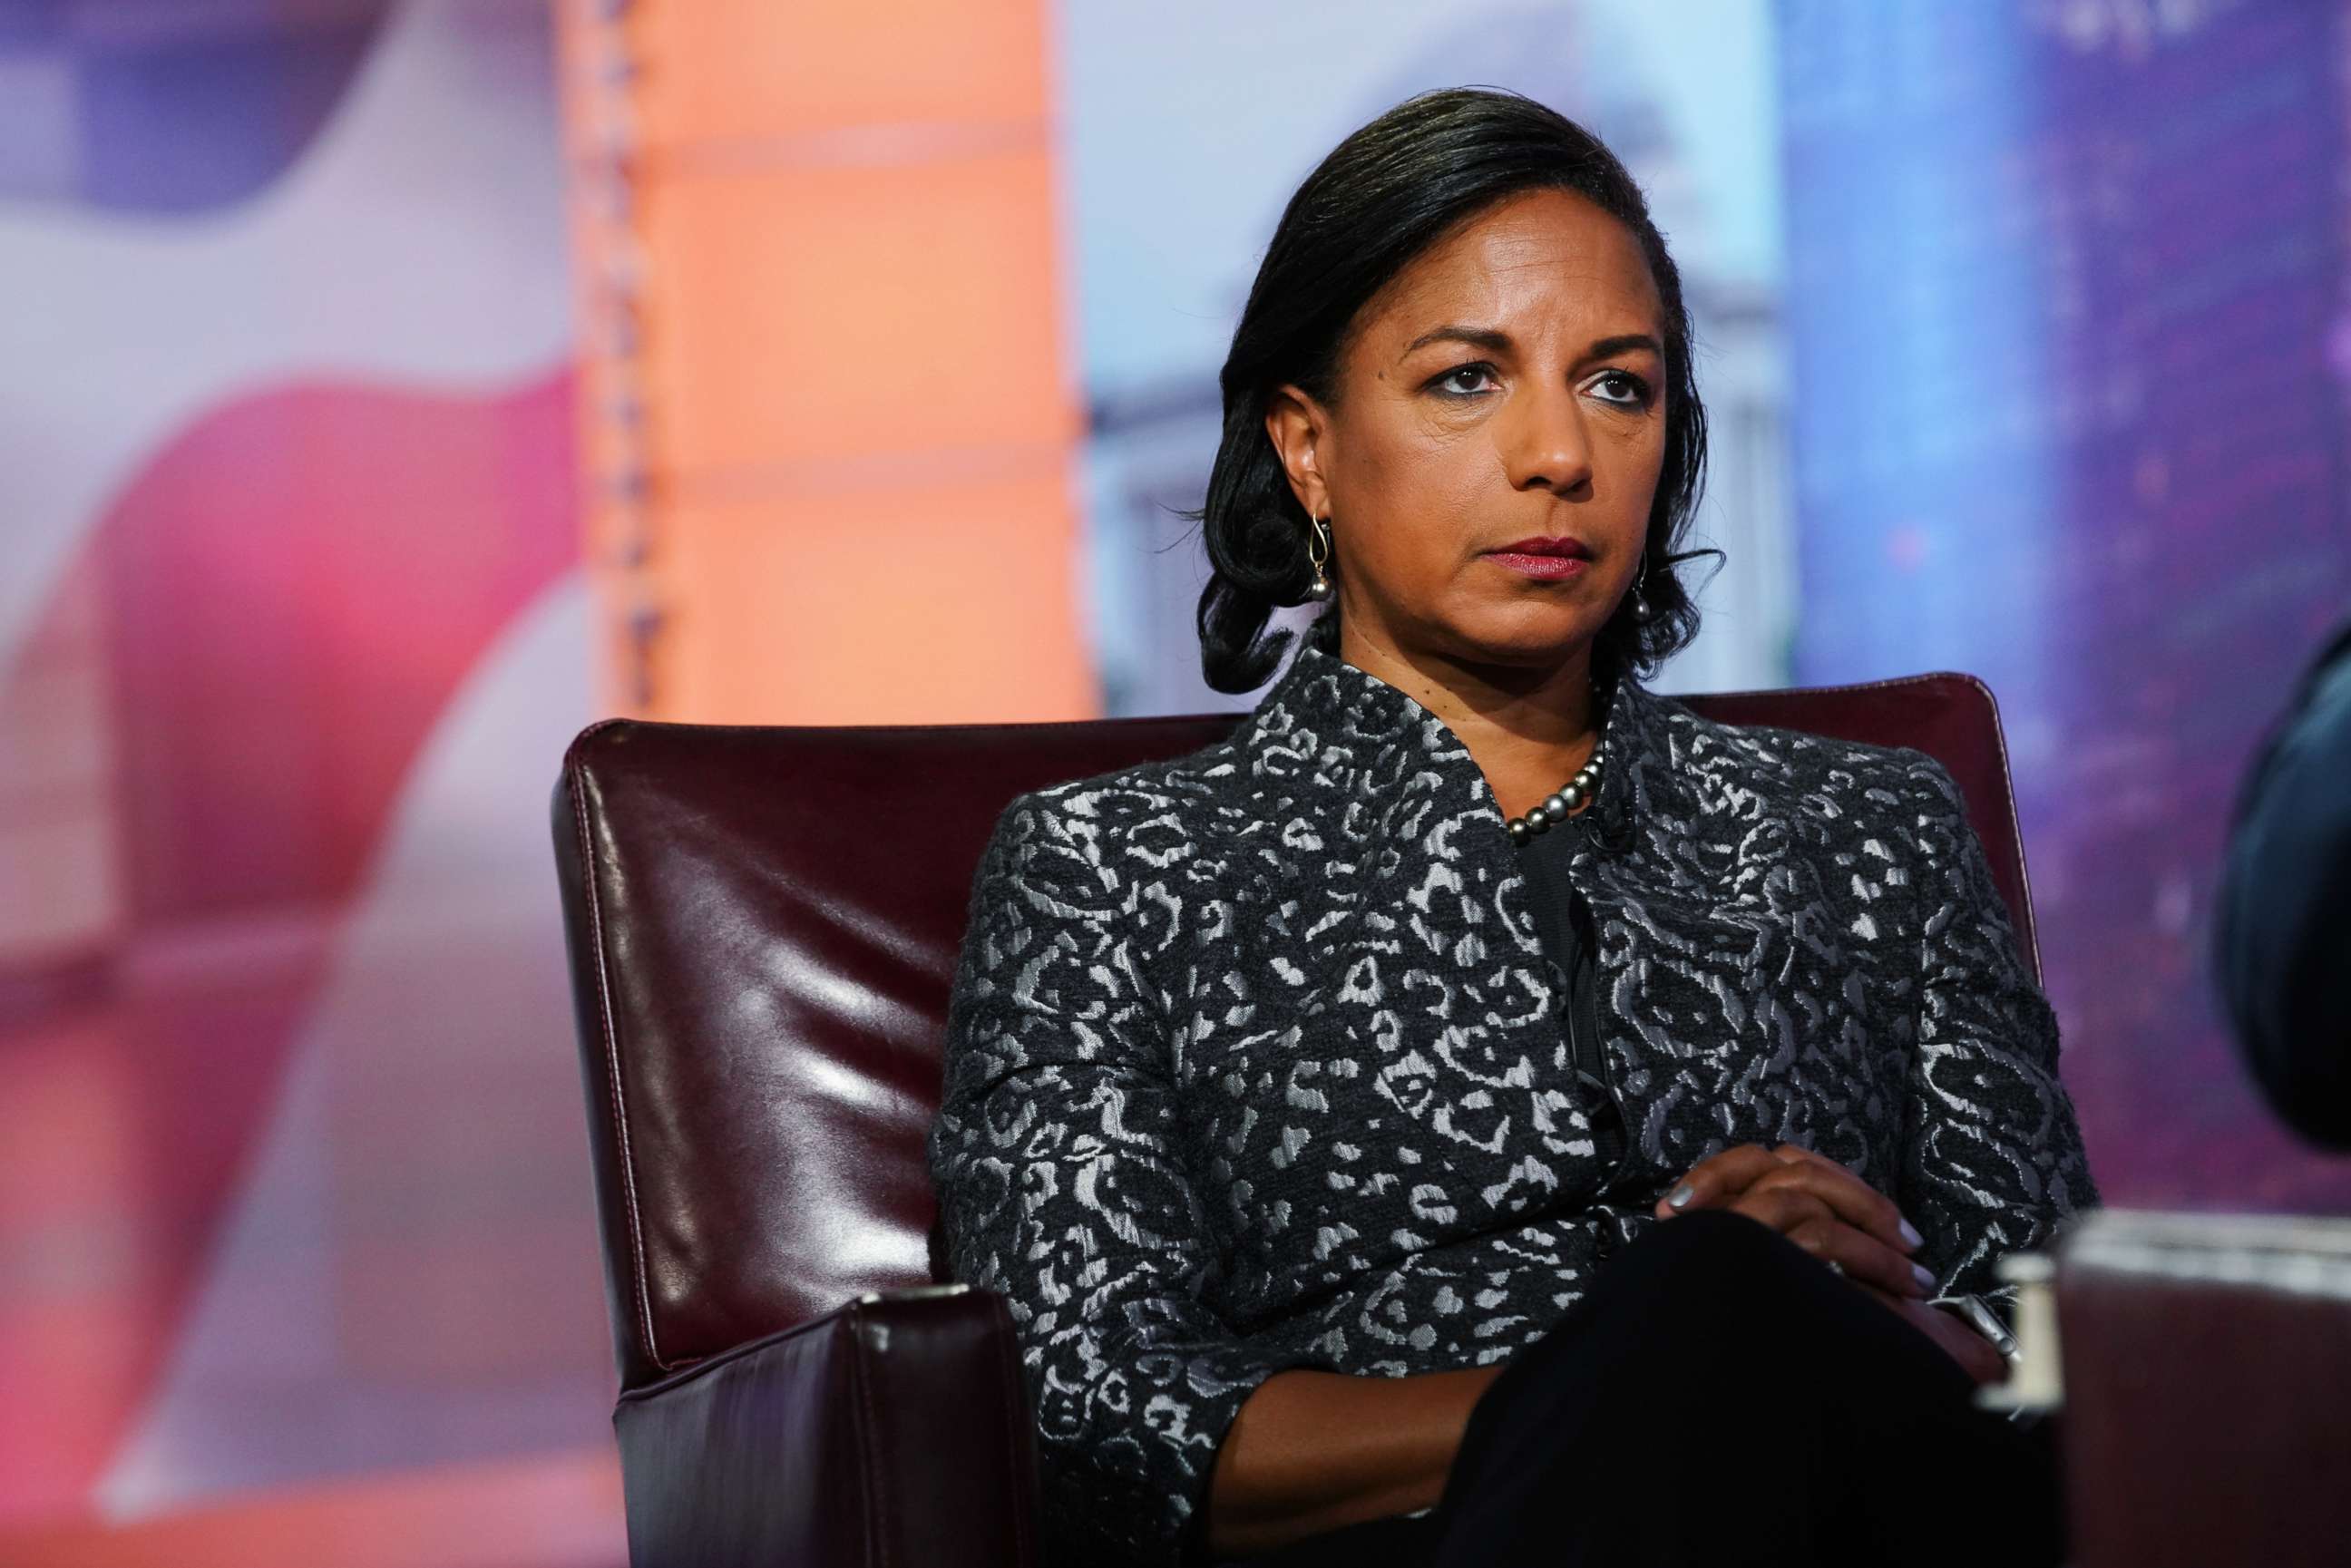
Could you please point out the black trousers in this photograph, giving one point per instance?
(1720, 1397)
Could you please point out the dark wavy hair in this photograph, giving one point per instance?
(1416, 174)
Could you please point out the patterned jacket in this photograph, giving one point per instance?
(1254, 1061)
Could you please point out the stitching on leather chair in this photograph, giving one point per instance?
(612, 1051)
(1015, 1407)
(2015, 828)
(877, 1548)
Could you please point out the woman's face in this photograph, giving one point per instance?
(1509, 386)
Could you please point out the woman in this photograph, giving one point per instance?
(1412, 1130)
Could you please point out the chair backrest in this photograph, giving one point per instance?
(763, 927)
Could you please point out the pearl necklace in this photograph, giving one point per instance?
(1560, 806)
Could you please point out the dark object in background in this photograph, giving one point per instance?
(2285, 908)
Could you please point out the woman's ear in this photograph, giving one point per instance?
(1297, 426)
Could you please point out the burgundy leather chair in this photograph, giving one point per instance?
(763, 925)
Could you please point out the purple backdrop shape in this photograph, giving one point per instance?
(152, 108)
(2062, 299)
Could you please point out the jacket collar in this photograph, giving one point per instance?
(1331, 727)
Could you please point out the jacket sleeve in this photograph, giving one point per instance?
(1061, 1185)
(1992, 1155)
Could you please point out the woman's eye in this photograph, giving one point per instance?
(1463, 381)
(1624, 388)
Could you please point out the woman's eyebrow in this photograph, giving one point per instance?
(1495, 342)
(1603, 346)
(1485, 338)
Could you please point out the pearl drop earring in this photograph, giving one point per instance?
(1318, 553)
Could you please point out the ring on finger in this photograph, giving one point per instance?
(1833, 1267)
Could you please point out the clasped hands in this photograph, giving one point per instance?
(1840, 1219)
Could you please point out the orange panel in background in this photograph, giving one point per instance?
(905, 604)
(799, 315)
(828, 406)
(716, 70)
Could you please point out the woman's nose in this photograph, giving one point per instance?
(1543, 442)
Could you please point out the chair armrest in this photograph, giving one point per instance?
(2205, 1358)
(894, 1430)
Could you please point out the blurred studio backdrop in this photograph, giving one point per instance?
(388, 387)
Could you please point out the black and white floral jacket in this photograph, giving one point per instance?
(1255, 1062)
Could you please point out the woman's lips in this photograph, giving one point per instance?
(1548, 558)
(1549, 568)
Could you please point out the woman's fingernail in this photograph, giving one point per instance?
(1926, 1281)
(1680, 1195)
(1910, 1234)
